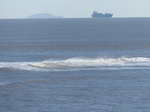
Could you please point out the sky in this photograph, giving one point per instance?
(74, 8)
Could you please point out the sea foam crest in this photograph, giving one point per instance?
(79, 63)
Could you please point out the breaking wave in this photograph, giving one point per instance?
(81, 64)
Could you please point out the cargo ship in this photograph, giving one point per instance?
(101, 15)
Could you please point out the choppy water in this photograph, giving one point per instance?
(75, 65)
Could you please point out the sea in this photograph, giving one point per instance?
(75, 65)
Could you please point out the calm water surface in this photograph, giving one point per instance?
(75, 65)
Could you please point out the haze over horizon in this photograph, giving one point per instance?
(73, 8)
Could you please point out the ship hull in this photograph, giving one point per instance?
(101, 15)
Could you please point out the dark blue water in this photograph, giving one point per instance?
(75, 65)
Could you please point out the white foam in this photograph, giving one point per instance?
(16, 65)
(81, 63)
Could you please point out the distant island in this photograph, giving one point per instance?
(101, 15)
(44, 15)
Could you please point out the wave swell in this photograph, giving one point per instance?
(81, 63)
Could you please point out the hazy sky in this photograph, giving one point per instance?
(74, 8)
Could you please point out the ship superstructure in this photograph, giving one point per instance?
(101, 15)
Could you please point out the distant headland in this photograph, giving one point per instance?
(44, 15)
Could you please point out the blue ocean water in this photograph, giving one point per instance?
(75, 65)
